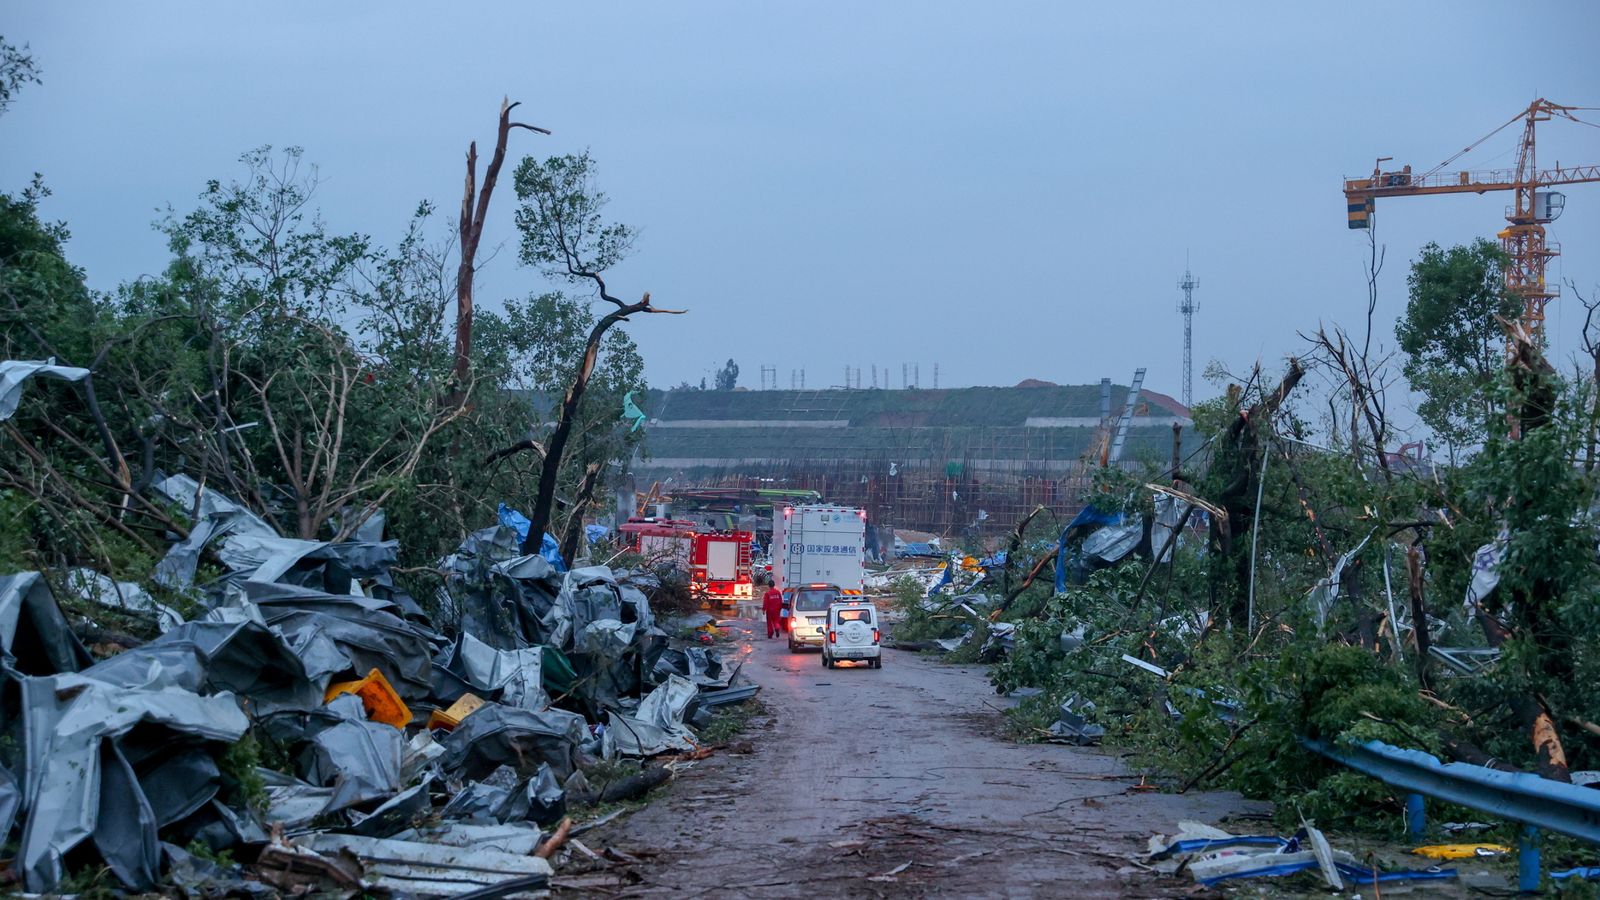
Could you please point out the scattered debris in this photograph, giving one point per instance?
(1211, 855)
(402, 759)
(1072, 727)
(1460, 851)
(412, 867)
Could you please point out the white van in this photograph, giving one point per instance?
(852, 634)
(808, 613)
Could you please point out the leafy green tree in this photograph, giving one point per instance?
(1454, 345)
(45, 308)
(299, 370)
(728, 376)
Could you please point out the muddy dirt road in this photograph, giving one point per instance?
(898, 782)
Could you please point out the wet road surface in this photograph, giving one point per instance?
(897, 782)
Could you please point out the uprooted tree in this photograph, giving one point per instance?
(566, 236)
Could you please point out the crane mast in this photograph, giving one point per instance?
(1533, 205)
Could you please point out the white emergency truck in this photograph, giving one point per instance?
(819, 544)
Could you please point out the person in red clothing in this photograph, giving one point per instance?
(772, 605)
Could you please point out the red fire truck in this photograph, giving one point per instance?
(718, 562)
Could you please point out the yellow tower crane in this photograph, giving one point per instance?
(1523, 238)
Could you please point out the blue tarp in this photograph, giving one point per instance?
(596, 532)
(945, 579)
(549, 548)
(1089, 515)
(1093, 515)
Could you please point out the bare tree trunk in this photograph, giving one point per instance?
(1419, 614)
(580, 506)
(474, 208)
(1242, 444)
(556, 448)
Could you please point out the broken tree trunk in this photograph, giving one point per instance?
(580, 506)
(474, 209)
(556, 448)
(1238, 456)
(1419, 614)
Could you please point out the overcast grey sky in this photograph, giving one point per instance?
(1005, 189)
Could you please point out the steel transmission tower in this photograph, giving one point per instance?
(1187, 306)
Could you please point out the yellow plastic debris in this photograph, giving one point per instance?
(1460, 851)
(378, 696)
(448, 719)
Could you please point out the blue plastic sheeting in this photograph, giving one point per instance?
(596, 532)
(1588, 873)
(945, 579)
(1093, 515)
(549, 548)
(1201, 845)
(1519, 796)
(1089, 515)
(1356, 874)
(515, 520)
(1061, 564)
(989, 562)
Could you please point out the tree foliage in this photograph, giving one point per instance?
(303, 371)
(17, 70)
(1452, 337)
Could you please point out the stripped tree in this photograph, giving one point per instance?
(474, 209)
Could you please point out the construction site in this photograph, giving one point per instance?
(942, 461)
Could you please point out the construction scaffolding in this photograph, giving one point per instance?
(956, 462)
(977, 481)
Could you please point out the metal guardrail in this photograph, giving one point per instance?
(1521, 797)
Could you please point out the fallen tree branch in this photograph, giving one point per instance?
(550, 846)
(1586, 725)
(1217, 767)
(513, 450)
(629, 788)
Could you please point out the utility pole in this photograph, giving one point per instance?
(1187, 307)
